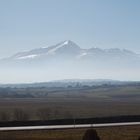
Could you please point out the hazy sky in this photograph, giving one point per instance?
(28, 24)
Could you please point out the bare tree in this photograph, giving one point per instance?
(20, 115)
(68, 115)
(5, 116)
(56, 114)
(44, 113)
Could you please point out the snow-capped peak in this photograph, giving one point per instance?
(52, 51)
(65, 46)
(69, 42)
(66, 42)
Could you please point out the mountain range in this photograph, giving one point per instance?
(67, 60)
(73, 51)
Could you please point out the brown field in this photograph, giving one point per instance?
(59, 103)
(98, 102)
(107, 133)
(69, 108)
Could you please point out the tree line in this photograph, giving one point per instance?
(19, 114)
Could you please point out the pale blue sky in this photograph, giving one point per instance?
(28, 24)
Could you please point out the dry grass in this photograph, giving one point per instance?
(66, 108)
(108, 133)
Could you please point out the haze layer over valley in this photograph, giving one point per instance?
(67, 60)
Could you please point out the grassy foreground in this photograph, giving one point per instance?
(108, 133)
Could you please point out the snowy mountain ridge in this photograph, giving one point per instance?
(70, 47)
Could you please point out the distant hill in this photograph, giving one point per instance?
(72, 83)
